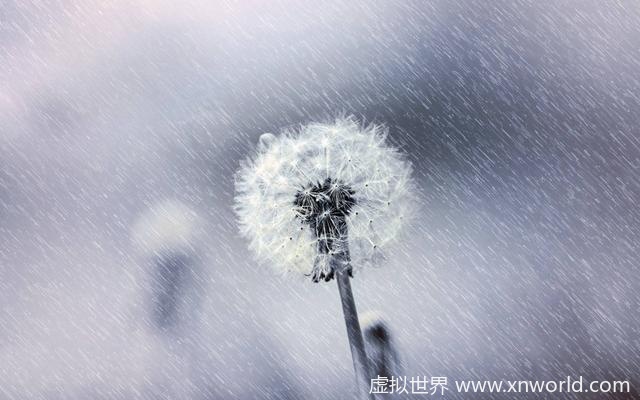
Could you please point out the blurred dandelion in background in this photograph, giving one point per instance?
(318, 199)
(166, 236)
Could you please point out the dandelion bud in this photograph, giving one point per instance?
(380, 346)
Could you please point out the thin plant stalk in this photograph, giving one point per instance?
(356, 342)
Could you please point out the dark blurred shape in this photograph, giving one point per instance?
(381, 351)
(170, 278)
(166, 237)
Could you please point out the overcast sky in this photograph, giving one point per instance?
(521, 119)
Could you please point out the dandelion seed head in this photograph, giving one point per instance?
(323, 190)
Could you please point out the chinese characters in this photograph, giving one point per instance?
(436, 385)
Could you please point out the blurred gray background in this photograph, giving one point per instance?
(522, 121)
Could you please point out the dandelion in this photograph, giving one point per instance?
(166, 236)
(322, 199)
(169, 237)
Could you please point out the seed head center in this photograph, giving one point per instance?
(324, 206)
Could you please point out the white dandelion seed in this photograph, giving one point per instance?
(323, 198)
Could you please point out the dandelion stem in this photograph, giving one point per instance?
(356, 342)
